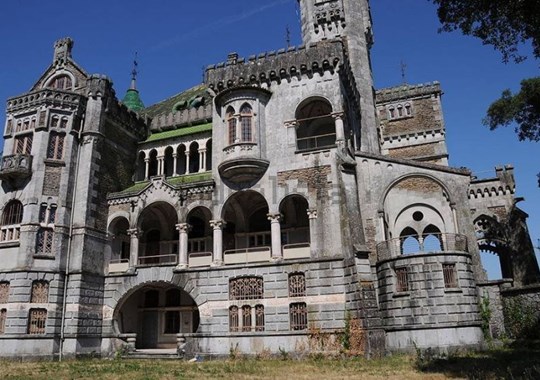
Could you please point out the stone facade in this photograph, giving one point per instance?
(262, 210)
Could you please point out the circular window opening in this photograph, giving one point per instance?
(418, 216)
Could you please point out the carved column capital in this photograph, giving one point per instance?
(312, 213)
(183, 227)
(134, 232)
(274, 218)
(217, 224)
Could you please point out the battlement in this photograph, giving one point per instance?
(60, 98)
(181, 117)
(407, 91)
(503, 184)
(275, 65)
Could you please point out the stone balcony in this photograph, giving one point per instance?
(416, 245)
(16, 166)
(243, 163)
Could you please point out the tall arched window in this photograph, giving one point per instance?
(231, 124)
(246, 117)
(13, 213)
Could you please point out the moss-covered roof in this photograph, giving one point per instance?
(133, 101)
(176, 182)
(193, 97)
(190, 178)
(185, 131)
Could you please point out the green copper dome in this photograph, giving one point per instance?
(132, 100)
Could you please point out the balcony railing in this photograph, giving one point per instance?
(246, 255)
(16, 166)
(158, 260)
(296, 251)
(316, 142)
(414, 244)
(199, 259)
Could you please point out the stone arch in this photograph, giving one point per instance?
(158, 234)
(247, 225)
(118, 227)
(156, 323)
(294, 219)
(141, 167)
(200, 232)
(60, 73)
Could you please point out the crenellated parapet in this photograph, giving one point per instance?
(407, 91)
(275, 66)
(502, 185)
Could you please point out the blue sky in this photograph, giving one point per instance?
(176, 39)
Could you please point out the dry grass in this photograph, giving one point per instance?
(396, 367)
(518, 363)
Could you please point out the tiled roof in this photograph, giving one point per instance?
(179, 132)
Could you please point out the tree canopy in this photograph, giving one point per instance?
(504, 24)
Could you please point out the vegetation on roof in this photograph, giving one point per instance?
(193, 97)
(190, 178)
(185, 131)
(135, 189)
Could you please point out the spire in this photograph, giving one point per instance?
(132, 100)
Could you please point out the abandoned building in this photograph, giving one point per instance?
(280, 198)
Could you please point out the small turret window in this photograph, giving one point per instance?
(399, 110)
(231, 123)
(246, 116)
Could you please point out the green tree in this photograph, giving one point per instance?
(507, 25)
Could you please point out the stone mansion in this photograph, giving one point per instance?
(283, 198)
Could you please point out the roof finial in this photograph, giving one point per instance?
(403, 71)
(134, 73)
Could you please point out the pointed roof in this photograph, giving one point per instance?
(132, 100)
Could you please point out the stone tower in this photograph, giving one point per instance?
(349, 20)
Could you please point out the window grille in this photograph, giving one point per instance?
(246, 117)
(402, 284)
(44, 242)
(450, 277)
(297, 285)
(232, 130)
(246, 318)
(37, 321)
(13, 213)
(23, 144)
(259, 318)
(4, 292)
(62, 82)
(233, 319)
(298, 316)
(42, 116)
(246, 288)
(55, 150)
(40, 292)
(3, 317)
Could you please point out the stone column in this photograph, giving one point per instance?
(161, 168)
(217, 226)
(275, 228)
(202, 159)
(313, 240)
(146, 168)
(175, 164)
(340, 129)
(183, 229)
(133, 247)
(187, 161)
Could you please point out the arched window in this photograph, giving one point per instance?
(40, 292)
(316, 127)
(13, 213)
(61, 82)
(246, 117)
(408, 109)
(432, 239)
(233, 319)
(246, 318)
(409, 241)
(231, 125)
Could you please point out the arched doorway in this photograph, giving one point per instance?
(157, 312)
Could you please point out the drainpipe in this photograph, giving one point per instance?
(70, 239)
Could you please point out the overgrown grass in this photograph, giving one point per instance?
(507, 363)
